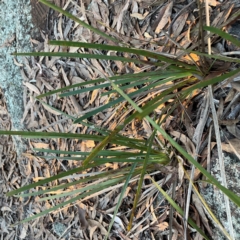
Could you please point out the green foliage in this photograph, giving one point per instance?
(145, 154)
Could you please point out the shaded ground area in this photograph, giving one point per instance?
(139, 23)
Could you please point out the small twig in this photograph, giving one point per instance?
(209, 149)
(230, 53)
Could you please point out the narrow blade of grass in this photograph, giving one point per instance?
(88, 56)
(52, 135)
(102, 144)
(151, 105)
(139, 52)
(217, 57)
(47, 180)
(101, 153)
(120, 198)
(226, 191)
(139, 188)
(135, 93)
(56, 207)
(130, 77)
(223, 34)
(109, 174)
(89, 187)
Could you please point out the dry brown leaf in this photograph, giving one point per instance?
(89, 143)
(47, 85)
(123, 236)
(220, 108)
(147, 128)
(165, 18)
(178, 227)
(95, 224)
(51, 110)
(94, 95)
(200, 209)
(213, 3)
(232, 147)
(230, 96)
(186, 141)
(32, 87)
(179, 24)
(236, 86)
(191, 56)
(162, 226)
(230, 122)
(147, 35)
(188, 122)
(17, 63)
(91, 232)
(121, 15)
(98, 67)
(139, 16)
(40, 145)
(218, 20)
(198, 236)
(234, 130)
(5, 208)
(175, 235)
(65, 77)
(26, 110)
(82, 218)
(180, 170)
(76, 79)
(77, 108)
(95, 10)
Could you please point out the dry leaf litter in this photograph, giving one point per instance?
(141, 24)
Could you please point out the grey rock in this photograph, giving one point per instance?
(215, 198)
(15, 33)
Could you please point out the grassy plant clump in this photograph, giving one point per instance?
(172, 84)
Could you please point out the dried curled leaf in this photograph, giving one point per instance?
(82, 218)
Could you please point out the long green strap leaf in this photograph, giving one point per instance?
(120, 198)
(88, 56)
(118, 79)
(139, 52)
(47, 180)
(139, 188)
(235, 198)
(153, 103)
(109, 174)
(56, 207)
